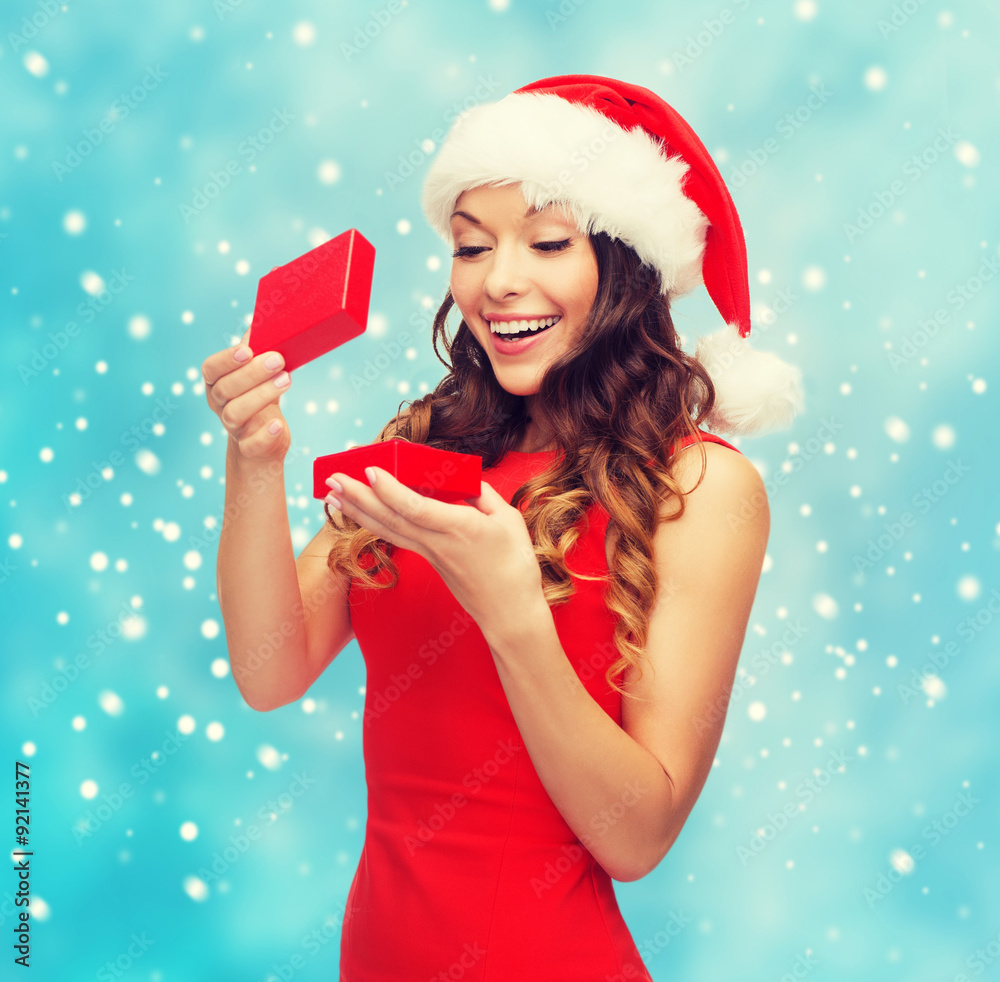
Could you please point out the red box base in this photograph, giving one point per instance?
(440, 474)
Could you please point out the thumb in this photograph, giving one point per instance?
(490, 500)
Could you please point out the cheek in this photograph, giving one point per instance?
(581, 291)
(580, 279)
(464, 293)
(462, 284)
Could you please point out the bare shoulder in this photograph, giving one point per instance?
(726, 519)
(730, 496)
(730, 486)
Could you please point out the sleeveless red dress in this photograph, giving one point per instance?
(468, 870)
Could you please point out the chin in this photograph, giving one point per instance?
(518, 390)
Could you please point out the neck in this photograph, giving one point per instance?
(538, 435)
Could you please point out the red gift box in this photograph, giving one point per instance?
(316, 302)
(441, 474)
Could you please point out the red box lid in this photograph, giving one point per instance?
(316, 302)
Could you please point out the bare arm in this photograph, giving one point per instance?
(285, 620)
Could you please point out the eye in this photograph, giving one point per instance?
(552, 246)
(468, 251)
(540, 246)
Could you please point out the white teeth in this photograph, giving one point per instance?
(515, 327)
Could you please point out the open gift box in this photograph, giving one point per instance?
(441, 474)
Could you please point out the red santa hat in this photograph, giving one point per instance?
(624, 162)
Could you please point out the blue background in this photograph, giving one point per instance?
(859, 229)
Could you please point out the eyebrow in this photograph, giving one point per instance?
(531, 211)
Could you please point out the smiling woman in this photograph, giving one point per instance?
(543, 659)
(515, 273)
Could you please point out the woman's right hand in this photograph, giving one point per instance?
(244, 396)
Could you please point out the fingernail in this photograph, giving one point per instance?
(282, 380)
(335, 484)
(275, 427)
(333, 501)
(370, 474)
(241, 354)
(273, 361)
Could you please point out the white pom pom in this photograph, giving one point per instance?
(755, 391)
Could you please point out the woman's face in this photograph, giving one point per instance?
(511, 267)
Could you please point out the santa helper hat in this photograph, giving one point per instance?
(624, 162)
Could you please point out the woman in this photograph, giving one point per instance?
(549, 663)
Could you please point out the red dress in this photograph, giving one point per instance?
(468, 869)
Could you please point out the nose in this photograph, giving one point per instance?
(507, 272)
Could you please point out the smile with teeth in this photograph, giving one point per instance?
(517, 327)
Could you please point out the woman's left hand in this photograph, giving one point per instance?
(483, 553)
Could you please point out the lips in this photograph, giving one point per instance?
(512, 345)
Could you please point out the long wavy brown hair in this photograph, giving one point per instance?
(621, 398)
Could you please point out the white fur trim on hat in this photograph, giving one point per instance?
(756, 391)
(611, 180)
